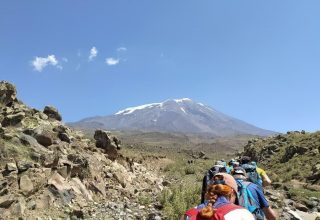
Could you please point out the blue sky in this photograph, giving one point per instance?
(258, 61)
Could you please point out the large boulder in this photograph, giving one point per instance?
(44, 138)
(26, 185)
(52, 113)
(105, 142)
(43, 135)
(8, 93)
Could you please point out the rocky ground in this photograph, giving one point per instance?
(49, 171)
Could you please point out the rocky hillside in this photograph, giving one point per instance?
(293, 163)
(49, 171)
(178, 115)
(294, 156)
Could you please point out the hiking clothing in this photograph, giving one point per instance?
(225, 211)
(251, 197)
(257, 193)
(261, 172)
(252, 173)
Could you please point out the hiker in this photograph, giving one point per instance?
(221, 196)
(251, 196)
(254, 173)
(208, 177)
(233, 163)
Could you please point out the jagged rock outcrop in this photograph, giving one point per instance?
(48, 170)
(107, 143)
(52, 113)
(8, 93)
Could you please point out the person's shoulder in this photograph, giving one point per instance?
(254, 186)
(260, 171)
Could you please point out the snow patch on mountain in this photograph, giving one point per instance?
(182, 100)
(141, 107)
(182, 109)
(148, 106)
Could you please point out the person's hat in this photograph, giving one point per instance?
(239, 171)
(236, 164)
(228, 180)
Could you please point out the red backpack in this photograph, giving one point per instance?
(192, 214)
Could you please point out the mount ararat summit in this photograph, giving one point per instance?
(177, 115)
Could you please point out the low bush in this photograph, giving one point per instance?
(178, 199)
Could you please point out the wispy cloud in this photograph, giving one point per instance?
(39, 63)
(112, 61)
(121, 49)
(93, 53)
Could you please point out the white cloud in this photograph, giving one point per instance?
(112, 61)
(122, 49)
(39, 63)
(93, 53)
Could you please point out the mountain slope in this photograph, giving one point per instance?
(178, 115)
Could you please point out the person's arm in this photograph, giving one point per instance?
(269, 213)
(264, 204)
(265, 178)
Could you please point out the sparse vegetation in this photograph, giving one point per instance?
(189, 170)
(301, 194)
(292, 159)
(144, 199)
(178, 199)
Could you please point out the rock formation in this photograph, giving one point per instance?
(49, 171)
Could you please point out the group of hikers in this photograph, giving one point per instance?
(233, 191)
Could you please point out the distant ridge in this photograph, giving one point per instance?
(175, 115)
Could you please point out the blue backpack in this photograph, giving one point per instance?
(246, 199)
(253, 176)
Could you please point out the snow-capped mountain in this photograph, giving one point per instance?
(177, 115)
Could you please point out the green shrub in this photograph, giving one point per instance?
(144, 199)
(178, 199)
(190, 170)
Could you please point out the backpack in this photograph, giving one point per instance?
(246, 199)
(192, 214)
(253, 176)
(207, 179)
